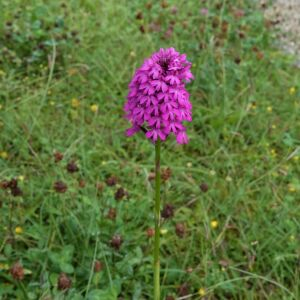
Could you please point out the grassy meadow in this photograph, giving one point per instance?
(76, 196)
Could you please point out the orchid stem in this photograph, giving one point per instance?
(157, 222)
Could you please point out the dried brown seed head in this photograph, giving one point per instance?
(112, 180)
(139, 15)
(151, 176)
(60, 187)
(64, 282)
(112, 213)
(166, 174)
(17, 271)
(183, 290)
(180, 230)
(204, 187)
(72, 167)
(116, 242)
(98, 266)
(4, 184)
(81, 183)
(168, 211)
(120, 193)
(100, 186)
(150, 232)
(164, 4)
(58, 156)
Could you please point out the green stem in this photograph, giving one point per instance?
(157, 222)
(10, 221)
(22, 288)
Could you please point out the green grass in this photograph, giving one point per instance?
(244, 144)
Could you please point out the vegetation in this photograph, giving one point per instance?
(76, 195)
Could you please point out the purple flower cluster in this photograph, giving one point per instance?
(157, 101)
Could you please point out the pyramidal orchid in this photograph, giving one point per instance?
(158, 104)
(157, 101)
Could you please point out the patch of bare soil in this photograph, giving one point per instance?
(285, 16)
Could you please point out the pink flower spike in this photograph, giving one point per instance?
(157, 100)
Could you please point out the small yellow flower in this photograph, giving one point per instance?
(4, 154)
(132, 54)
(21, 178)
(292, 90)
(4, 266)
(75, 103)
(273, 152)
(18, 230)
(292, 189)
(189, 164)
(201, 292)
(273, 126)
(103, 163)
(292, 238)
(251, 105)
(52, 103)
(163, 231)
(212, 172)
(94, 108)
(228, 178)
(214, 224)
(72, 71)
(269, 109)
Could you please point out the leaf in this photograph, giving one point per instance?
(66, 268)
(67, 252)
(137, 291)
(288, 140)
(7, 249)
(53, 278)
(108, 294)
(6, 289)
